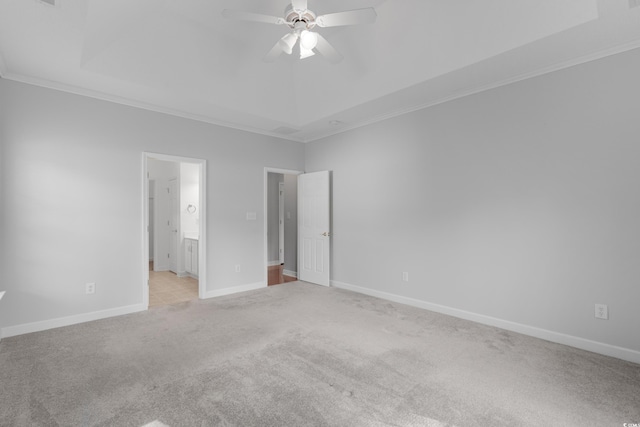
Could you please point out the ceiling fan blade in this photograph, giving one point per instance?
(367, 15)
(274, 53)
(325, 49)
(299, 4)
(249, 16)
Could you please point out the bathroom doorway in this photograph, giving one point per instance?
(175, 224)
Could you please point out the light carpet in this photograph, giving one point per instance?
(303, 355)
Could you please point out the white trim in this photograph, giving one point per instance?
(145, 233)
(267, 171)
(142, 105)
(556, 337)
(235, 289)
(281, 222)
(27, 328)
(202, 241)
(290, 273)
(3, 67)
(202, 236)
(272, 263)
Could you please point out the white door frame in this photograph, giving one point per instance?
(267, 171)
(202, 243)
(174, 223)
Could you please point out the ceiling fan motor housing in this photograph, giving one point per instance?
(296, 19)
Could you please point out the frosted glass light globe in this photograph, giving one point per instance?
(308, 40)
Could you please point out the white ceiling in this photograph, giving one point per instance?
(182, 57)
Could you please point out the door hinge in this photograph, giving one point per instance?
(168, 255)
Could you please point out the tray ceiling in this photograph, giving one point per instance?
(182, 57)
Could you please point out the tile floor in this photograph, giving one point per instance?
(166, 288)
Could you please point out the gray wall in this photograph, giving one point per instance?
(519, 203)
(72, 199)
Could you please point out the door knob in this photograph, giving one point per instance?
(326, 234)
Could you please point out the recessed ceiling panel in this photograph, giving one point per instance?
(183, 57)
(414, 41)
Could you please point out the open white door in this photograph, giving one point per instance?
(174, 220)
(314, 227)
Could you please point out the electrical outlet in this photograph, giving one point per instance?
(602, 311)
(238, 268)
(405, 276)
(90, 288)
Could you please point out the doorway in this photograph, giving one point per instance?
(174, 229)
(281, 226)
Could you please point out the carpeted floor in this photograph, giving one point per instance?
(304, 355)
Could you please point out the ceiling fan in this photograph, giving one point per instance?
(301, 21)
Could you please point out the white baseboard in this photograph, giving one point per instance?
(234, 290)
(272, 263)
(290, 273)
(556, 337)
(27, 328)
(187, 274)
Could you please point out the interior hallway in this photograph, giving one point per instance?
(277, 277)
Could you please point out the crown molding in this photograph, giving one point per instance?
(89, 93)
(319, 135)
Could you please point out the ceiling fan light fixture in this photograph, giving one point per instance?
(288, 42)
(300, 20)
(305, 53)
(308, 40)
